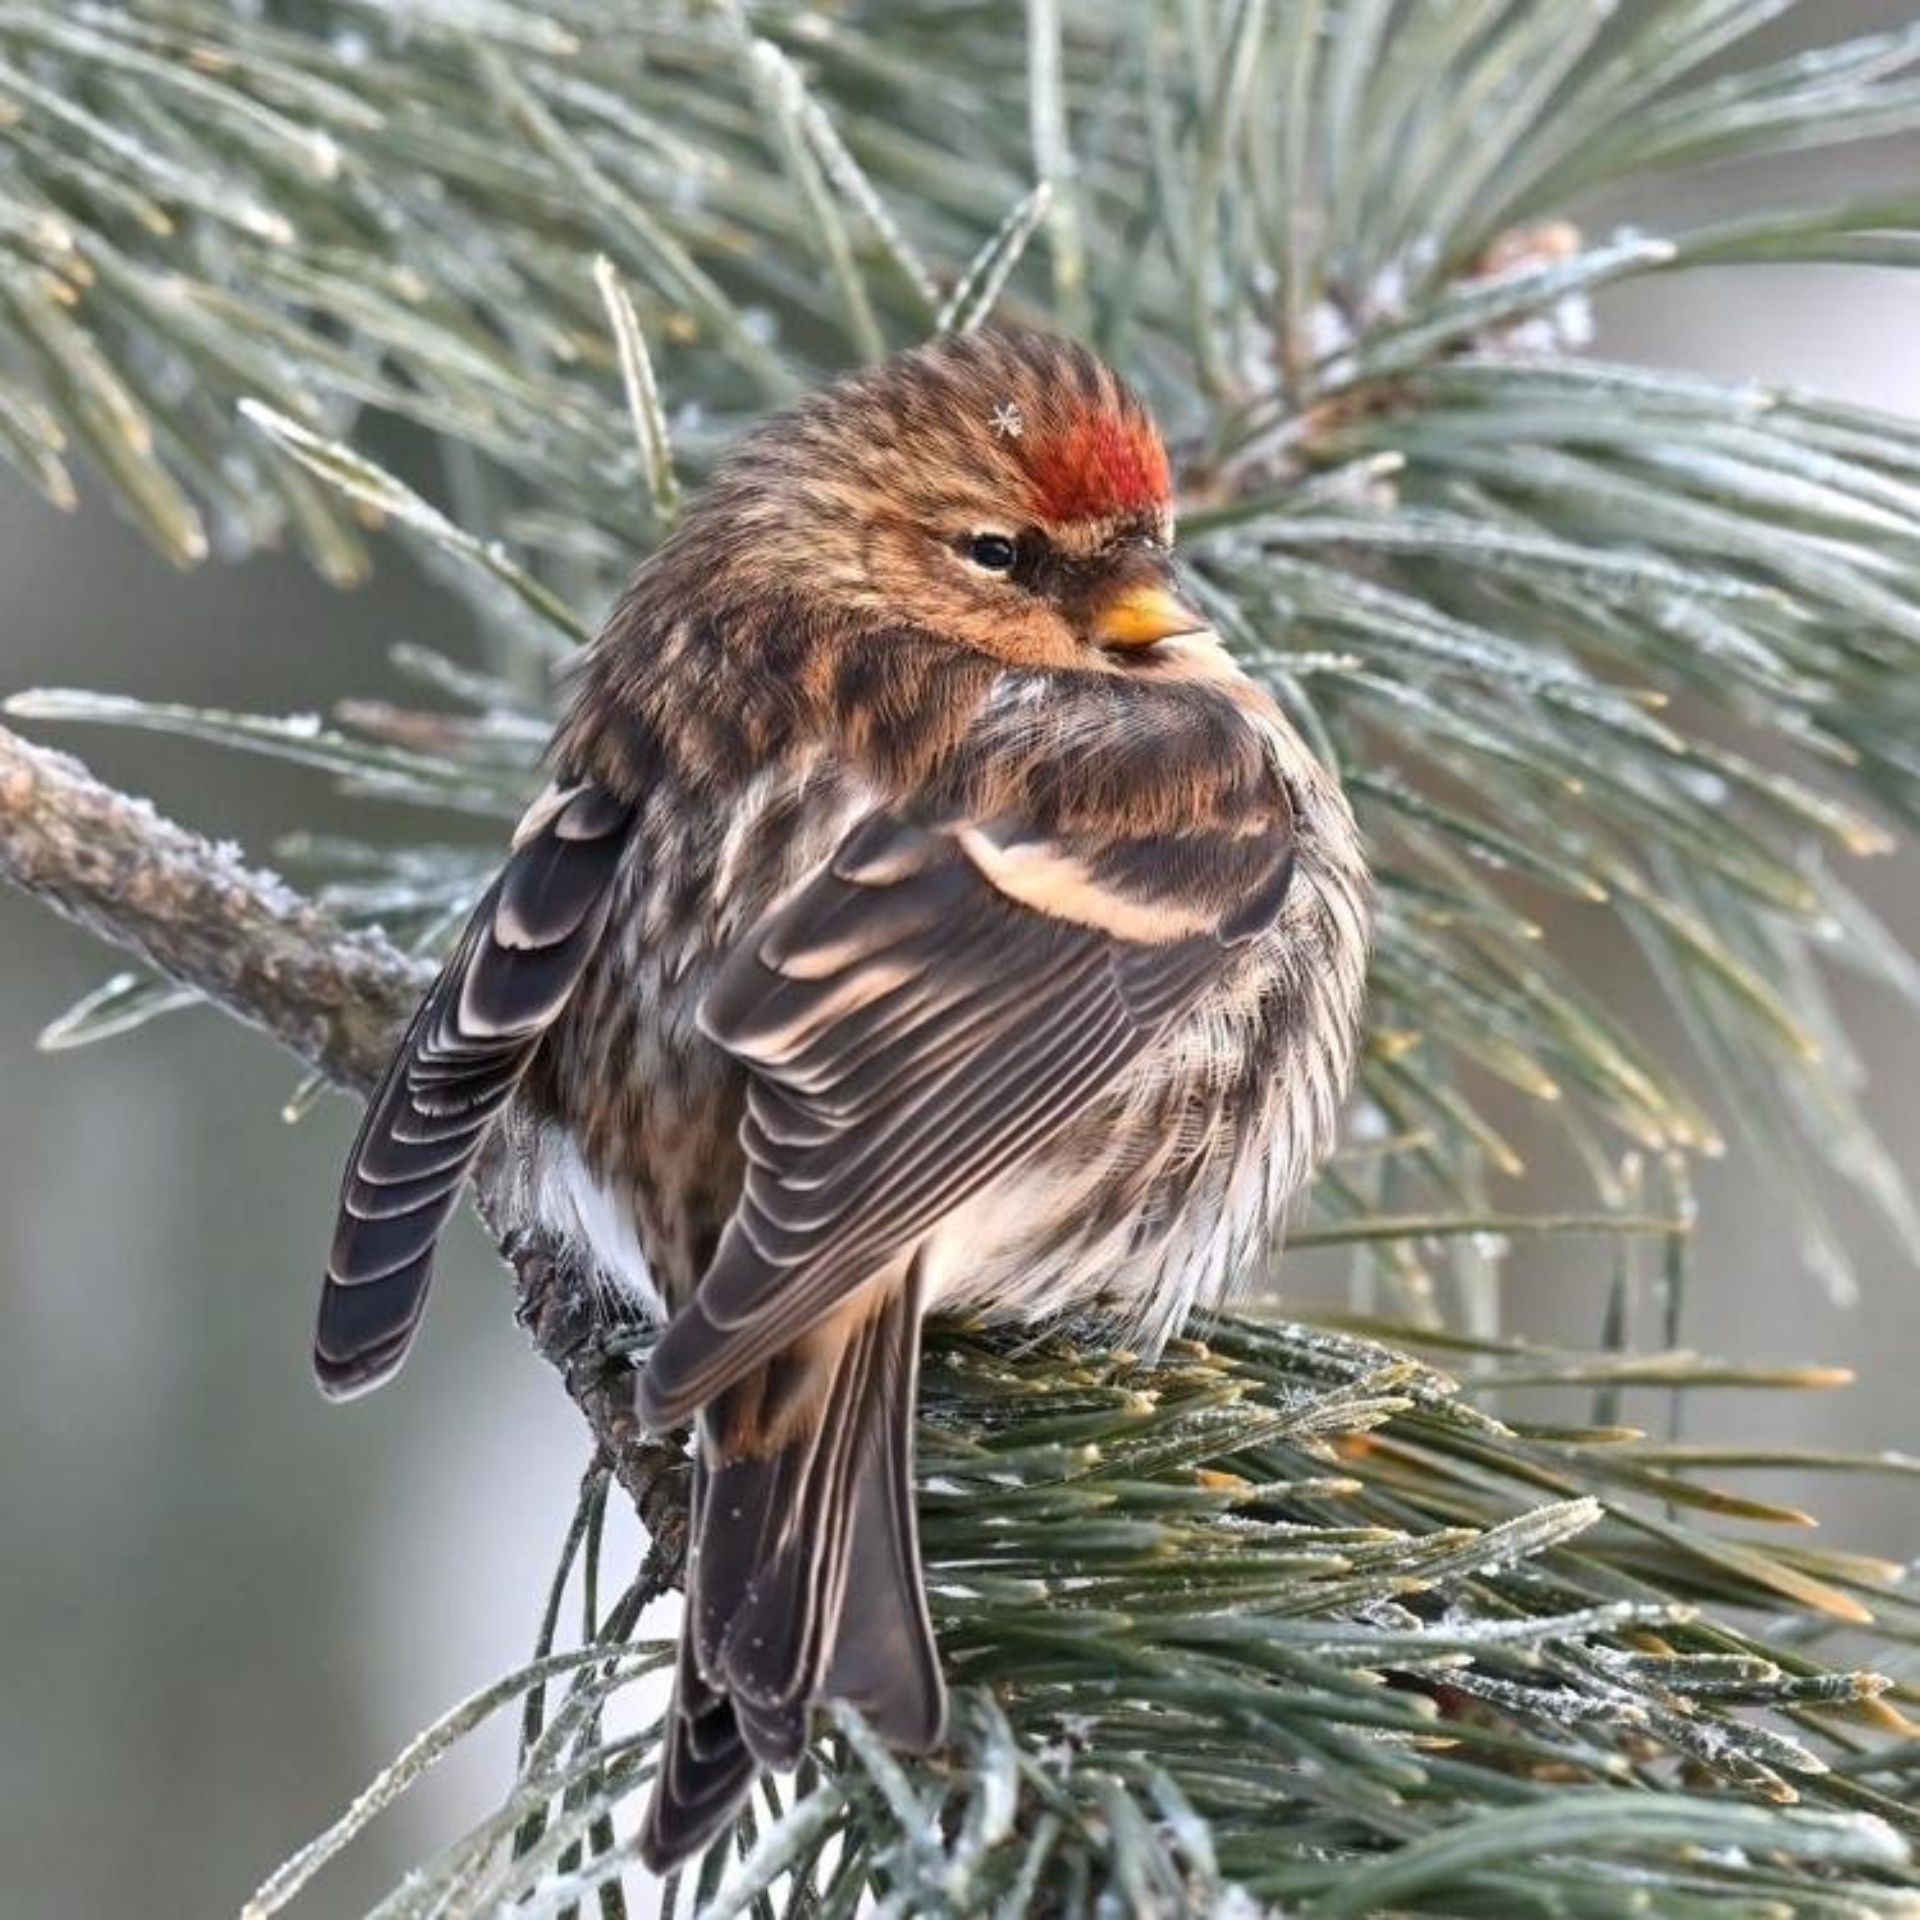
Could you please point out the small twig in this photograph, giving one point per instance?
(556, 1309)
(336, 998)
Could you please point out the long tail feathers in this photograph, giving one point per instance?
(804, 1587)
(706, 1769)
(882, 1660)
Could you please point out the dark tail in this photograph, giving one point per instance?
(804, 1585)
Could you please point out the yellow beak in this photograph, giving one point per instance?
(1147, 611)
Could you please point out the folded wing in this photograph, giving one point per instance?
(459, 1062)
(939, 1001)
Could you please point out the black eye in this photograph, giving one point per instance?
(993, 551)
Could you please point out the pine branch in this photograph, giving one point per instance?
(235, 934)
(334, 997)
(1238, 1561)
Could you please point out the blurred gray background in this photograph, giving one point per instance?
(223, 1603)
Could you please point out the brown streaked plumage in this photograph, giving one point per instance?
(926, 912)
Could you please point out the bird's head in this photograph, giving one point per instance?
(1005, 491)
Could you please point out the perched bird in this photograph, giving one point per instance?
(926, 913)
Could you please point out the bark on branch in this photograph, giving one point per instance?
(336, 998)
(244, 939)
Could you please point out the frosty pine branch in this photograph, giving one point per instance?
(336, 998)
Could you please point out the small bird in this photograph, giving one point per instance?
(926, 914)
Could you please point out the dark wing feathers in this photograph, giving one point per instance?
(465, 1051)
(932, 1006)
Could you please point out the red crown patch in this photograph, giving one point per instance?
(1103, 464)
